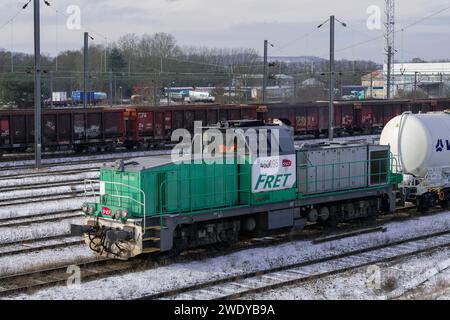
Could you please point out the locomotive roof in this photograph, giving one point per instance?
(139, 164)
(333, 145)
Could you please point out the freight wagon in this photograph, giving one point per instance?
(148, 127)
(76, 128)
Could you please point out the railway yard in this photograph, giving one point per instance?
(230, 159)
(377, 257)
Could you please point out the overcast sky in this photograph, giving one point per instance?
(291, 25)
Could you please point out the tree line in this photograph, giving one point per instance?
(153, 61)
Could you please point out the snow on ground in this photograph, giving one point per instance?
(39, 192)
(23, 171)
(99, 157)
(13, 211)
(381, 281)
(38, 230)
(43, 259)
(136, 284)
(48, 179)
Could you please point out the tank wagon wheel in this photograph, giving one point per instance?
(445, 203)
(426, 201)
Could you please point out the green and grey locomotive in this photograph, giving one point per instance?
(156, 204)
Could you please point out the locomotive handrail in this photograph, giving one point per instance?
(120, 197)
(348, 165)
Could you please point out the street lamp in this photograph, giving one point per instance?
(266, 43)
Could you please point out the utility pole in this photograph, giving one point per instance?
(331, 72)
(331, 96)
(110, 88)
(371, 84)
(264, 86)
(51, 87)
(37, 84)
(415, 84)
(390, 43)
(389, 69)
(85, 66)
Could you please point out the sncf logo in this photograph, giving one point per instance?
(286, 163)
(106, 211)
(440, 145)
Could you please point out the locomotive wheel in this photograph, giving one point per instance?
(332, 221)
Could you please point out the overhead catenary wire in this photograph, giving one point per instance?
(410, 25)
(10, 20)
(83, 28)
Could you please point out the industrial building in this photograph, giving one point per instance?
(431, 79)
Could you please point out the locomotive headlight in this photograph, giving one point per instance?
(91, 210)
(118, 213)
(124, 213)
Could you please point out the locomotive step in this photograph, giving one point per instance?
(155, 228)
(151, 239)
(150, 250)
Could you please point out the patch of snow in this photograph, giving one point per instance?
(43, 259)
(48, 179)
(34, 231)
(39, 192)
(99, 157)
(14, 211)
(24, 171)
(136, 284)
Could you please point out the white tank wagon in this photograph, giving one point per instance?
(421, 144)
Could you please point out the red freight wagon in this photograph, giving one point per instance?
(344, 117)
(149, 126)
(77, 128)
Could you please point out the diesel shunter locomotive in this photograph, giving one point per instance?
(156, 204)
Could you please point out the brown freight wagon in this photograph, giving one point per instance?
(365, 116)
(63, 128)
(147, 127)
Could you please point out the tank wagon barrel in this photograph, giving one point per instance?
(421, 142)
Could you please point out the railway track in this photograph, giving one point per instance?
(96, 269)
(34, 245)
(40, 173)
(263, 280)
(39, 218)
(63, 161)
(54, 276)
(100, 268)
(41, 199)
(73, 184)
(23, 282)
(38, 193)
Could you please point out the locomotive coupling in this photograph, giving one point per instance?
(111, 235)
(79, 230)
(116, 235)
